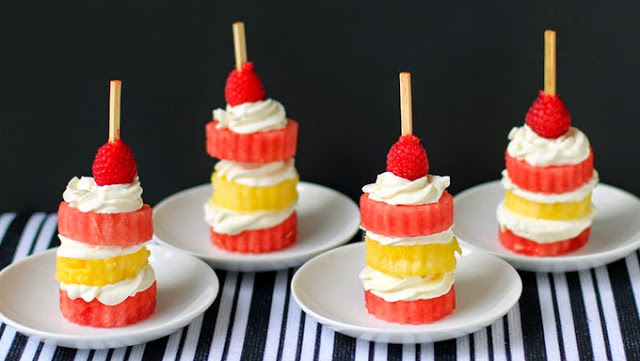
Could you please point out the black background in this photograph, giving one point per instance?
(476, 66)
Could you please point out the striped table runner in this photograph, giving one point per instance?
(588, 315)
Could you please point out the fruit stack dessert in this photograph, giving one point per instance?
(407, 216)
(102, 263)
(253, 206)
(548, 180)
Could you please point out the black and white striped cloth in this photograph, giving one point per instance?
(586, 315)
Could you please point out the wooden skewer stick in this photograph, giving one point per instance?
(239, 44)
(405, 103)
(550, 62)
(114, 110)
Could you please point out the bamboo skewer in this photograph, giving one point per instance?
(115, 91)
(550, 62)
(405, 103)
(239, 44)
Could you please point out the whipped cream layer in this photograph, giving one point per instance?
(114, 293)
(411, 288)
(86, 196)
(391, 189)
(542, 230)
(573, 196)
(228, 222)
(570, 148)
(251, 117)
(70, 248)
(442, 237)
(256, 174)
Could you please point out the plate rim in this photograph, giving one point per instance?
(118, 332)
(615, 253)
(248, 259)
(339, 326)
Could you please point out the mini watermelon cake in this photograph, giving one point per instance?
(253, 205)
(407, 216)
(103, 262)
(548, 181)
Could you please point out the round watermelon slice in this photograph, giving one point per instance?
(406, 220)
(264, 240)
(411, 312)
(132, 310)
(258, 147)
(531, 248)
(106, 229)
(552, 179)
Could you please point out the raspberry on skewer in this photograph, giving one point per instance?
(114, 162)
(243, 86)
(548, 116)
(407, 158)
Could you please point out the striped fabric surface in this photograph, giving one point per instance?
(586, 315)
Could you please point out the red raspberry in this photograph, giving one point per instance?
(114, 164)
(407, 158)
(243, 86)
(548, 116)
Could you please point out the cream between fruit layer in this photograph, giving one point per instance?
(570, 148)
(251, 117)
(85, 195)
(228, 222)
(256, 174)
(442, 237)
(391, 189)
(573, 196)
(114, 293)
(542, 230)
(411, 288)
(70, 248)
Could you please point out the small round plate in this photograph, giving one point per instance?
(29, 301)
(328, 289)
(615, 231)
(326, 219)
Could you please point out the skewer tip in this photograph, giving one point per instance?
(239, 44)
(406, 117)
(550, 62)
(114, 109)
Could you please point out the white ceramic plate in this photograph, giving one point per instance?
(328, 289)
(615, 231)
(326, 219)
(29, 301)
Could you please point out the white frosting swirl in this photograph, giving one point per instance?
(228, 222)
(391, 189)
(251, 117)
(542, 230)
(442, 237)
(114, 293)
(571, 148)
(410, 288)
(85, 195)
(80, 250)
(256, 174)
(573, 196)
